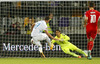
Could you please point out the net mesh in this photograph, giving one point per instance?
(16, 19)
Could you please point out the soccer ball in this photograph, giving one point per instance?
(86, 51)
(32, 41)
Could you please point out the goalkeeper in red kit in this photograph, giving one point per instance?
(92, 24)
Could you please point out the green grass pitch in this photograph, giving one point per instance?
(49, 61)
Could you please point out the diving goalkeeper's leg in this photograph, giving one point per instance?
(80, 51)
(73, 54)
(66, 50)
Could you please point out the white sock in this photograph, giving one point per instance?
(40, 49)
(48, 40)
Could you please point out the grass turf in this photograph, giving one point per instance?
(49, 61)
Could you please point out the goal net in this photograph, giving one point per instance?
(16, 18)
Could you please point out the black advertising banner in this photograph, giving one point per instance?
(20, 46)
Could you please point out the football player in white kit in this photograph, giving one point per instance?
(37, 35)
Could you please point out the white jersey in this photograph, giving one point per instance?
(39, 27)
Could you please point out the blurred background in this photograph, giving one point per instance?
(17, 17)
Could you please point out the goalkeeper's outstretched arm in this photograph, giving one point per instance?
(50, 35)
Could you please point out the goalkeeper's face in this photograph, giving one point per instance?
(57, 33)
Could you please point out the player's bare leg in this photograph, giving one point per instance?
(73, 54)
(80, 51)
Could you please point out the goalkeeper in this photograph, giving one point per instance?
(66, 46)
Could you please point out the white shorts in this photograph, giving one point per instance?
(39, 37)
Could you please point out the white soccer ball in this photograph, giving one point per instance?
(86, 51)
(32, 41)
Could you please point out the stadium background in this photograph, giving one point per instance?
(16, 19)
